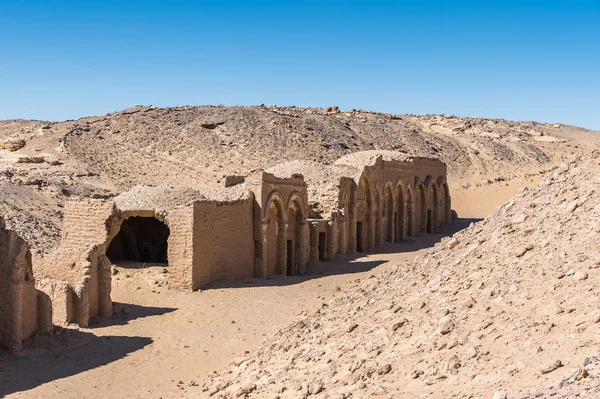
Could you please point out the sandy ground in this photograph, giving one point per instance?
(163, 343)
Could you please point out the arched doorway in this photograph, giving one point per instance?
(140, 240)
(400, 219)
(389, 209)
(364, 217)
(410, 221)
(445, 212)
(295, 239)
(421, 207)
(433, 225)
(275, 238)
(378, 218)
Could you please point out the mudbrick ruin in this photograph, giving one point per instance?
(276, 221)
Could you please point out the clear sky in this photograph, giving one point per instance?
(524, 60)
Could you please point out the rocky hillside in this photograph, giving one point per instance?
(42, 163)
(509, 307)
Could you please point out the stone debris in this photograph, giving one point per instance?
(551, 367)
(12, 145)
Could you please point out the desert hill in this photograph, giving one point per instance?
(508, 307)
(42, 164)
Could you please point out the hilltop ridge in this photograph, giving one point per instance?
(42, 164)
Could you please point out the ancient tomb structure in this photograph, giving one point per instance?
(396, 196)
(194, 238)
(271, 222)
(369, 197)
(23, 309)
(281, 232)
(330, 200)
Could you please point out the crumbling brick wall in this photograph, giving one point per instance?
(23, 309)
(77, 275)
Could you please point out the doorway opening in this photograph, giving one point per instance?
(322, 246)
(429, 222)
(140, 239)
(359, 237)
(290, 258)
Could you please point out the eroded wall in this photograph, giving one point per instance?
(76, 277)
(23, 310)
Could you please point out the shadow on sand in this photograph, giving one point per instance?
(64, 354)
(123, 313)
(354, 263)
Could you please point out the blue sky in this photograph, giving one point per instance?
(522, 60)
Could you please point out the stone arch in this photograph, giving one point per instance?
(379, 211)
(274, 235)
(427, 182)
(389, 211)
(432, 209)
(445, 207)
(421, 208)
(343, 221)
(400, 212)
(274, 197)
(295, 235)
(364, 215)
(410, 212)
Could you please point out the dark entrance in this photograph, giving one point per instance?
(359, 237)
(290, 258)
(140, 239)
(322, 246)
(429, 222)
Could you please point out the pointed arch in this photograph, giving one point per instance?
(295, 236)
(389, 211)
(421, 208)
(445, 207)
(274, 235)
(379, 210)
(364, 215)
(410, 212)
(433, 225)
(400, 212)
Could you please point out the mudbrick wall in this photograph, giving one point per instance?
(23, 309)
(77, 275)
(223, 240)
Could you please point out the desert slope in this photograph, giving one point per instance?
(42, 164)
(508, 304)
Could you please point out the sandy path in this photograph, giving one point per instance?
(163, 342)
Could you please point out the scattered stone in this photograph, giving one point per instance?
(30, 159)
(500, 395)
(416, 374)
(580, 275)
(551, 367)
(12, 145)
(248, 388)
(384, 369)
(315, 388)
(446, 325)
(211, 125)
(452, 243)
(52, 160)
